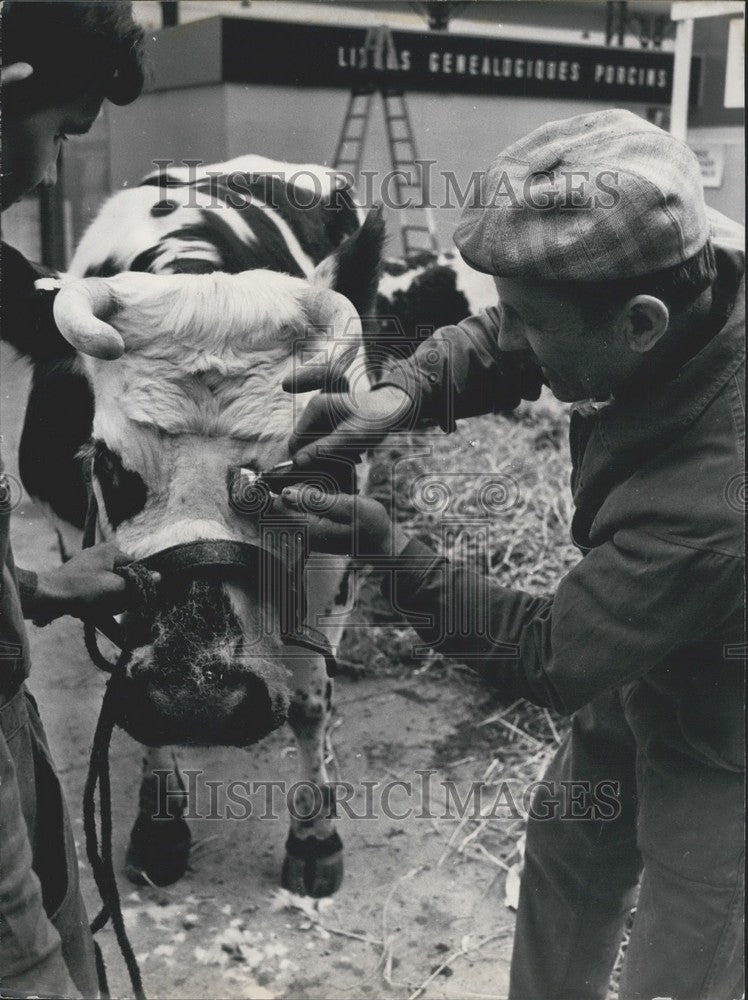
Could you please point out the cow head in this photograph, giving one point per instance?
(186, 373)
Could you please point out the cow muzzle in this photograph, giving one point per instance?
(192, 672)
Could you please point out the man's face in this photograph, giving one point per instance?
(578, 361)
(31, 143)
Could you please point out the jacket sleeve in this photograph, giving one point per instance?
(461, 372)
(615, 616)
(26, 319)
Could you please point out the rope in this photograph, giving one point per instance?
(99, 851)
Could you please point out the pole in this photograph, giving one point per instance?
(169, 13)
(681, 79)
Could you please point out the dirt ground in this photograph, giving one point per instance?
(408, 902)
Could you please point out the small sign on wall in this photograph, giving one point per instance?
(711, 157)
(735, 68)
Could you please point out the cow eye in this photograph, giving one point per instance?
(123, 491)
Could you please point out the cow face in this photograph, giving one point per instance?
(196, 393)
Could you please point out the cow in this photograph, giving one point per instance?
(193, 396)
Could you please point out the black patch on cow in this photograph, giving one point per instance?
(27, 321)
(163, 180)
(268, 250)
(144, 261)
(358, 262)
(318, 224)
(106, 269)
(340, 216)
(123, 491)
(164, 207)
(430, 301)
(59, 416)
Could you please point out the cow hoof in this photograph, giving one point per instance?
(159, 849)
(313, 867)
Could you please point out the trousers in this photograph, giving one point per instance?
(676, 839)
(45, 943)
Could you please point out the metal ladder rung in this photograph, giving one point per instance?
(380, 47)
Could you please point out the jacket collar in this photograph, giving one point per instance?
(647, 422)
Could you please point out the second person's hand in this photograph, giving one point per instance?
(341, 524)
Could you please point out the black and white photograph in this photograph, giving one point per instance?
(372, 500)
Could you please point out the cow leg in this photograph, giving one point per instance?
(159, 848)
(313, 865)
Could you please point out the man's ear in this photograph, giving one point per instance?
(646, 319)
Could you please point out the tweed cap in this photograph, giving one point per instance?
(600, 196)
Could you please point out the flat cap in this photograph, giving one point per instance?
(596, 197)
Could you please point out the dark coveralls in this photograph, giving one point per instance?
(644, 642)
(45, 943)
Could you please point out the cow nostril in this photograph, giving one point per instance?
(164, 207)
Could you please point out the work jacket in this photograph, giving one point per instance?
(656, 605)
(27, 323)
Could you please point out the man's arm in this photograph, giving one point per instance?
(461, 372)
(85, 585)
(615, 616)
(458, 372)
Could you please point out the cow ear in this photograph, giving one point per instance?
(353, 269)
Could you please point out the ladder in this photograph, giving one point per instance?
(417, 226)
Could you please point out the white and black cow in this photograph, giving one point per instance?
(191, 398)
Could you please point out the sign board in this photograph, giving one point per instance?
(685, 10)
(711, 157)
(735, 67)
(305, 55)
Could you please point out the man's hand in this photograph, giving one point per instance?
(341, 524)
(85, 586)
(337, 423)
(15, 73)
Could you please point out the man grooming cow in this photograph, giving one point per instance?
(633, 304)
(61, 61)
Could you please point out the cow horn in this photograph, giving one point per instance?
(326, 307)
(77, 311)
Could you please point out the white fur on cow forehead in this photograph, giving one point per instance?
(204, 355)
(184, 317)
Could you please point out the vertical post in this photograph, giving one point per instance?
(622, 16)
(681, 78)
(169, 13)
(52, 222)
